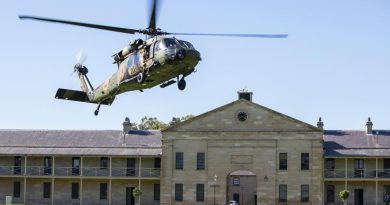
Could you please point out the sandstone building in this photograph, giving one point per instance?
(358, 161)
(79, 167)
(284, 155)
(241, 151)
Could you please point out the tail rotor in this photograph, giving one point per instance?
(81, 57)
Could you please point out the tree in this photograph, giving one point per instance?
(151, 123)
(181, 119)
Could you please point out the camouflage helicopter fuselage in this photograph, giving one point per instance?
(141, 65)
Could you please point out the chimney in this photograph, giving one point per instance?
(320, 124)
(173, 122)
(126, 125)
(369, 126)
(246, 95)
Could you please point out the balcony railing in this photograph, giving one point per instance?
(11, 170)
(67, 171)
(362, 173)
(152, 172)
(130, 172)
(383, 173)
(38, 171)
(334, 173)
(357, 173)
(96, 171)
(75, 171)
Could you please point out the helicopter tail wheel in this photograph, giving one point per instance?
(140, 77)
(181, 84)
(97, 110)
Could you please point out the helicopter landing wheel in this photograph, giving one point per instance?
(140, 77)
(97, 110)
(181, 84)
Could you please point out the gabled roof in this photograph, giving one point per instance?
(79, 142)
(300, 126)
(339, 143)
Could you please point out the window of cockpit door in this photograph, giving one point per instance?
(150, 50)
(159, 45)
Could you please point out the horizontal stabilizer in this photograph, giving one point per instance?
(79, 96)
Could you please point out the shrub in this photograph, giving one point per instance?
(136, 192)
(344, 194)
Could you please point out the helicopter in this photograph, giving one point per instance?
(161, 59)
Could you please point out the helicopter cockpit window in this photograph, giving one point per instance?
(170, 42)
(189, 44)
(185, 44)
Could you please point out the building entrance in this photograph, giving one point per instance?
(129, 196)
(242, 187)
(359, 197)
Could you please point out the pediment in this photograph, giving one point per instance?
(242, 115)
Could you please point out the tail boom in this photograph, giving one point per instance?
(79, 96)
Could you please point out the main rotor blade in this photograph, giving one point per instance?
(233, 35)
(153, 14)
(96, 26)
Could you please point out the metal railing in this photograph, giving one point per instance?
(38, 171)
(96, 171)
(124, 172)
(362, 173)
(334, 173)
(75, 171)
(67, 171)
(11, 170)
(152, 172)
(383, 173)
(355, 173)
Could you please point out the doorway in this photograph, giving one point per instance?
(359, 197)
(236, 198)
(129, 196)
(130, 169)
(75, 166)
(242, 187)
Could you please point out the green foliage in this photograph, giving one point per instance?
(137, 192)
(344, 194)
(152, 123)
(182, 119)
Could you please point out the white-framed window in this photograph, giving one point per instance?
(236, 181)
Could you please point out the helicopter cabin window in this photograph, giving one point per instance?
(133, 60)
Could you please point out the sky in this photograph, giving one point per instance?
(334, 64)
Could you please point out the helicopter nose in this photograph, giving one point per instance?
(193, 55)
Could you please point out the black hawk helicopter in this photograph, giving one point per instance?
(143, 64)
